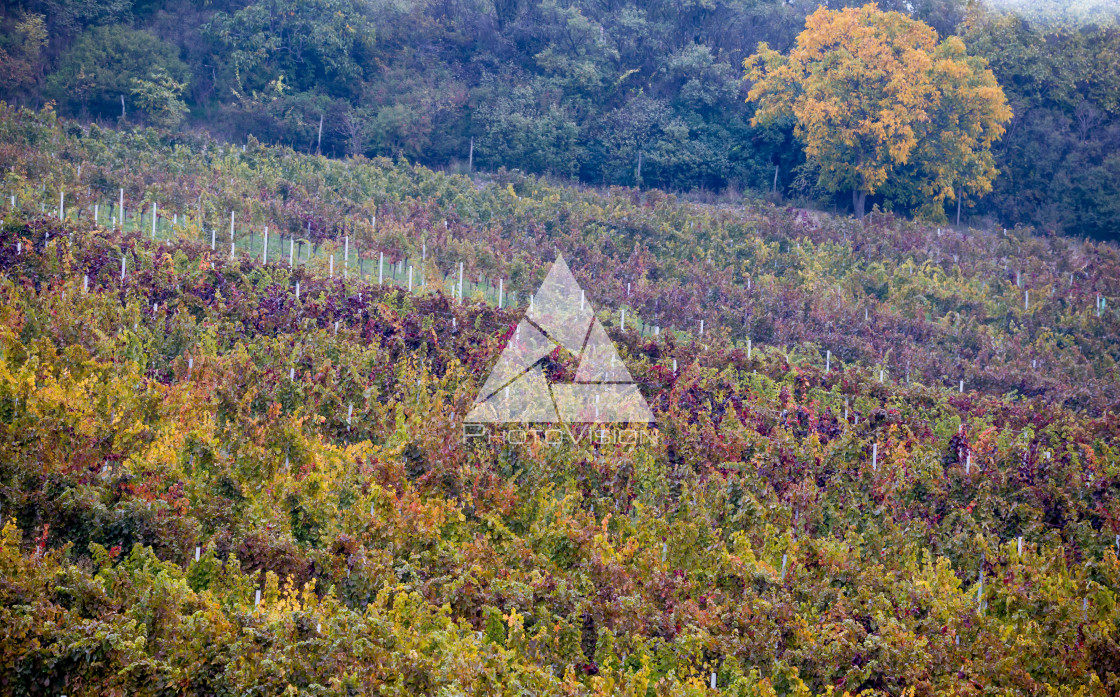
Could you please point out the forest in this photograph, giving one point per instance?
(644, 94)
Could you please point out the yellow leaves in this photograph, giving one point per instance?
(867, 89)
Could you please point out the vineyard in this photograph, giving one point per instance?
(888, 463)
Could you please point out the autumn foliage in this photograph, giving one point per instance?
(878, 102)
(178, 440)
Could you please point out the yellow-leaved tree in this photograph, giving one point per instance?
(878, 101)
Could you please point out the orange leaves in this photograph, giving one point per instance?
(867, 90)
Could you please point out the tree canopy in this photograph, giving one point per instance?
(874, 97)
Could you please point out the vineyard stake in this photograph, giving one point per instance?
(122, 267)
(120, 208)
(85, 283)
(1019, 547)
(962, 386)
(264, 259)
(784, 558)
(410, 278)
(701, 327)
(380, 267)
(622, 322)
(980, 587)
(874, 457)
(291, 250)
(330, 272)
(213, 239)
(154, 209)
(827, 361)
(231, 214)
(61, 208)
(500, 294)
(748, 349)
(197, 553)
(95, 214)
(297, 290)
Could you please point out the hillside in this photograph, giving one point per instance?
(647, 93)
(220, 475)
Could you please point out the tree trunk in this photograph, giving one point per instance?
(858, 199)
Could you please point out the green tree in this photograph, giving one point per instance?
(873, 96)
(98, 72)
(1059, 154)
(315, 45)
(158, 97)
(18, 64)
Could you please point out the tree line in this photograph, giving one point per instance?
(649, 94)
